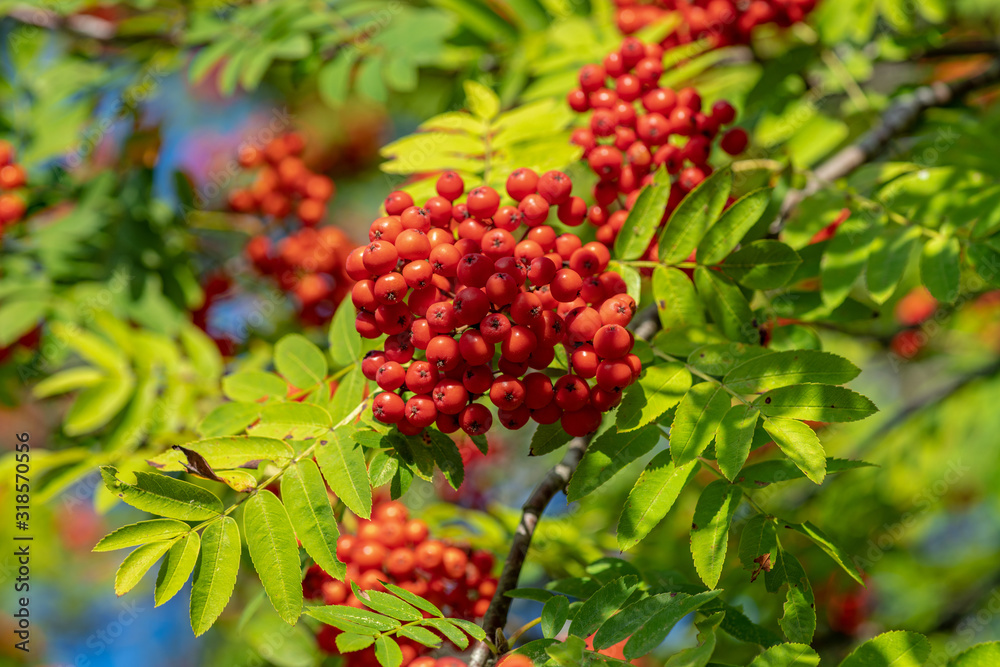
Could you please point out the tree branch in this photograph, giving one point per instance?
(970, 48)
(555, 480)
(83, 25)
(900, 115)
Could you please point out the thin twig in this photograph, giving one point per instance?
(970, 48)
(555, 480)
(897, 118)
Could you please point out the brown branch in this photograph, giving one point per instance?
(555, 480)
(900, 115)
(977, 47)
(83, 25)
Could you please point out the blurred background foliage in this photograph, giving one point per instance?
(128, 117)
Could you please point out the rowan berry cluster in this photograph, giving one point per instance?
(308, 261)
(12, 177)
(396, 549)
(723, 22)
(450, 283)
(637, 127)
(283, 183)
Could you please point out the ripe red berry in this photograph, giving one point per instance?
(450, 185)
(397, 202)
(475, 419)
(388, 407)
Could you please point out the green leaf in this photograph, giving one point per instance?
(569, 653)
(800, 444)
(165, 496)
(759, 537)
(888, 261)
(348, 642)
(816, 402)
(350, 619)
(420, 635)
(228, 452)
(308, 507)
(600, 606)
(939, 268)
(202, 351)
(275, 554)
(548, 438)
(67, 380)
(554, 615)
(607, 455)
(787, 655)
(892, 649)
(97, 405)
(836, 553)
(762, 264)
(719, 358)
(735, 222)
(982, 655)
(446, 456)
(676, 301)
(214, 573)
(134, 534)
(656, 627)
(710, 529)
(344, 468)
(799, 619)
(652, 497)
(334, 80)
(790, 367)
(18, 317)
(137, 564)
(300, 421)
(644, 218)
(763, 474)
(698, 416)
(634, 616)
(414, 599)
(386, 604)
(176, 568)
(734, 437)
(483, 102)
(693, 217)
(345, 341)
(252, 386)
(845, 259)
(450, 631)
(470, 628)
(92, 348)
(299, 361)
(727, 305)
(229, 419)
(660, 388)
(387, 651)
